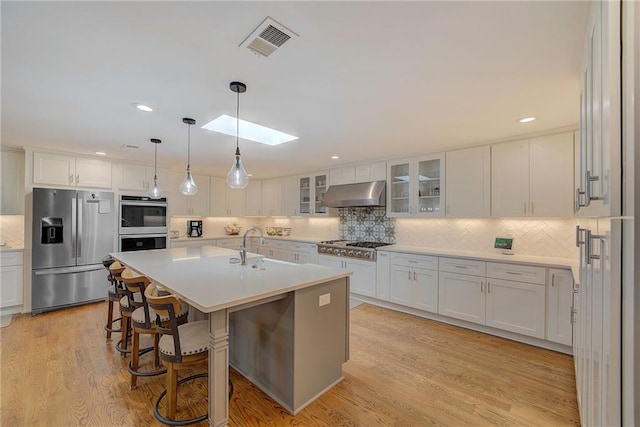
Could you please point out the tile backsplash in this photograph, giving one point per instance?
(12, 230)
(368, 224)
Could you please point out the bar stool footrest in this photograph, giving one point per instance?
(167, 421)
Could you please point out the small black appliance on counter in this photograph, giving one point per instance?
(194, 228)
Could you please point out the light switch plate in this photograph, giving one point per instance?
(324, 300)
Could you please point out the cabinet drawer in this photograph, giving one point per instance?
(10, 258)
(517, 272)
(304, 247)
(463, 266)
(413, 260)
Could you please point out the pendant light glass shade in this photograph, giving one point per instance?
(188, 186)
(237, 177)
(155, 192)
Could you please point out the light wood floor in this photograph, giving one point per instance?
(58, 370)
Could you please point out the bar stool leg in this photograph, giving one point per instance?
(172, 391)
(135, 357)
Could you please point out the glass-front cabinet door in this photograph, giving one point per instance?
(399, 188)
(430, 183)
(415, 187)
(311, 189)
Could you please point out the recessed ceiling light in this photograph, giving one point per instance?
(142, 107)
(101, 153)
(251, 131)
(335, 157)
(526, 119)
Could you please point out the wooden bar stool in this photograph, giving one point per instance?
(143, 322)
(112, 297)
(125, 309)
(181, 347)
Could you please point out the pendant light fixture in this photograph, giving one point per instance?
(188, 186)
(155, 192)
(237, 176)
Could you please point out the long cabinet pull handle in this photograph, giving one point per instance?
(553, 280)
(414, 276)
(578, 231)
(514, 273)
(578, 202)
(70, 179)
(488, 287)
(461, 266)
(409, 272)
(589, 180)
(77, 179)
(481, 286)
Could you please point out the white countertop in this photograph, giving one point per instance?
(312, 240)
(573, 264)
(10, 249)
(204, 277)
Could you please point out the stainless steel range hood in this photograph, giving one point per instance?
(354, 195)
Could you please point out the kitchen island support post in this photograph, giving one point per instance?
(218, 368)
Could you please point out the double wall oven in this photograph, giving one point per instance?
(143, 223)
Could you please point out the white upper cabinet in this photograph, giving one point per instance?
(468, 186)
(415, 187)
(225, 201)
(272, 197)
(140, 177)
(56, 169)
(371, 172)
(12, 183)
(290, 196)
(598, 160)
(533, 178)
(551, 176)
(196, 205)
(510, 179)
(311, 189)
(254, 198)
(344, 175)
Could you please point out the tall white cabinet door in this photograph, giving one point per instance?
(53, 169)
(468, 182)
(559, 305)
(217, 197)
(363, 280)
(254, 198)
(383, 271)
(199, 204)
(94, 173)
(510, 179)
(272, 197)
(236, 202)
(462, 296)
(516, 307)
(290, 196)
(426, 289)
(12, 183)
(551, 176)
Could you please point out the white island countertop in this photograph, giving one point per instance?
(204, 277)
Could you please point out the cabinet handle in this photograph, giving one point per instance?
(578, 202)
(409, 272)
(573, 314)
(589, 180)
(588, 255)
(481, 286)
(578, 231)
(461, 266)
(553, 280)
(514, 273)
(448, 209)
(488, 287)
(414, 276)
(77, 179)
(532, 208)
(70, 179)
(524, 208)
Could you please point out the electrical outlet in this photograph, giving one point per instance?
(324, 300)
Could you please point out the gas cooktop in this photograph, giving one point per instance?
(350, 248)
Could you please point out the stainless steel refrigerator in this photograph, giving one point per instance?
(72, 232)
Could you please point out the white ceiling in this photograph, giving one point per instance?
(365, 80)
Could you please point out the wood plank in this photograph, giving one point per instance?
(58, 369)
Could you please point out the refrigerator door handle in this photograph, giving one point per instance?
(74, 222)
(79, 242)
(68, 270)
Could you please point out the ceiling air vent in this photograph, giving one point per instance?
(267, 37)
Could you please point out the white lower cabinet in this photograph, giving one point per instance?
(11, 271)
(363, 280)
(296, 252)
(462, 296)
(231, 243)
(515, 306)
(414, 281)
(560, 306)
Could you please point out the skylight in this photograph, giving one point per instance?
(251, 131)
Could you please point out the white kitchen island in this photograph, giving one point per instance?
(284, 326)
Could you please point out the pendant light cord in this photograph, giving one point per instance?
(237, 122)
(188, 146)
(155, 163)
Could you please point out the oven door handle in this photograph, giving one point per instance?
(154, 204)
(137, 236)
